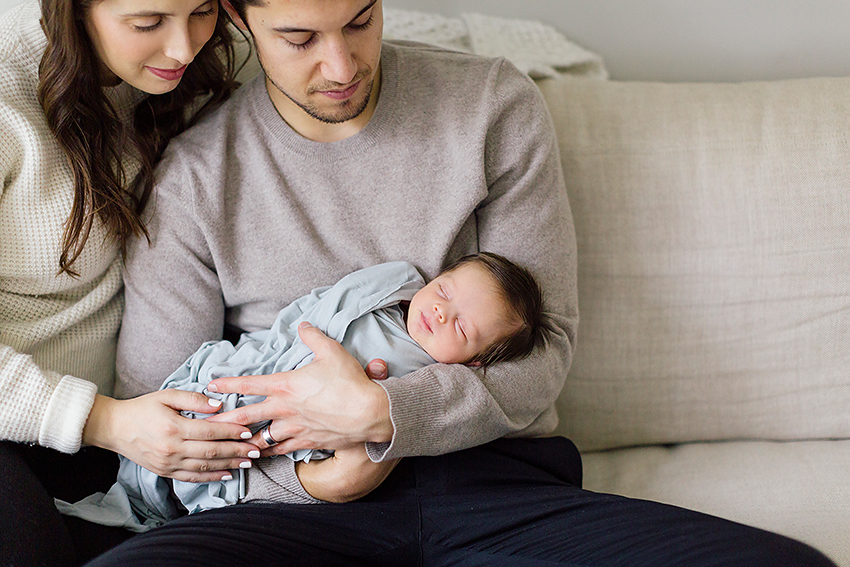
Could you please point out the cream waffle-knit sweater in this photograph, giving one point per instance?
(57, 333)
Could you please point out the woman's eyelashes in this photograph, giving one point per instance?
(160, 19)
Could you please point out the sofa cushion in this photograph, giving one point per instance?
(797, 489)
(713, 228)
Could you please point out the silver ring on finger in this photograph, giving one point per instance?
(267, 436)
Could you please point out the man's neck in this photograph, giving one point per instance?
(313, 128)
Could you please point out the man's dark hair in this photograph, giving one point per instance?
(523, 300)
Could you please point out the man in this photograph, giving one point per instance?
(324, 168)
(347, 153)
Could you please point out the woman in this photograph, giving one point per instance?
(90, 93)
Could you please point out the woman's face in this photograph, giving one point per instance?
(149, 43)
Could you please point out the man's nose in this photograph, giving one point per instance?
(339, 65)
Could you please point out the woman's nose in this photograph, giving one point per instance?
(179, 46)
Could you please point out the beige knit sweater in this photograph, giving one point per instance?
(57, 333)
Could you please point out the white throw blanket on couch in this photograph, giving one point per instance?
(535, 48)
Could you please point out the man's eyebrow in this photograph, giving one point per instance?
(305, 30)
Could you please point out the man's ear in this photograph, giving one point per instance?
(234, 16)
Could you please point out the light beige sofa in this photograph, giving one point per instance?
(713, 361)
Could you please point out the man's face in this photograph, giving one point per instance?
(321, 59)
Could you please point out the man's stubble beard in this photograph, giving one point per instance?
(331, 117)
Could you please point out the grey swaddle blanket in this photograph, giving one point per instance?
(361, 311)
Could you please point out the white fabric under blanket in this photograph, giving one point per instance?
(535, 48)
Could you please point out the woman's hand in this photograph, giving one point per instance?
(150, 431)
(346, 476)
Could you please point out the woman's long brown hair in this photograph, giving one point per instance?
(96, 142)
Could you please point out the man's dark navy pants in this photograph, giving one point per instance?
(510, 502)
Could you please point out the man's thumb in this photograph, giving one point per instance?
(314, 338)
(377, 369)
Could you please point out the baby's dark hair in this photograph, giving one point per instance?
(523, 300)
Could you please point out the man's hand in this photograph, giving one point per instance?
(346, 476)
(150, 431)
(330, 402)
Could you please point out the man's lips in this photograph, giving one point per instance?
(343, 94)
(168, 74)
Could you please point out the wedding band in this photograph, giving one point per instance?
(267, 436)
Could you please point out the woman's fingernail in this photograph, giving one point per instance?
(253, 454)
(227, 477)
(246, 435)
(214, 403)
(212, 387)
(245, 464)
(304, 325)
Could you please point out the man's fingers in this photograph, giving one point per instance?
(286, 446)
(316, 340)
(247, 415)
(284, 442)
(247, 385)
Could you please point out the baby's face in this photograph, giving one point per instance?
(458, 315)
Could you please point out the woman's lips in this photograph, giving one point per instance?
(168, 74)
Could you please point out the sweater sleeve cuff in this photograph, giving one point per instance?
(413, 414)
(66, 414)
(274, 479)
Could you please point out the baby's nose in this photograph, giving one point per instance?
(438, 312)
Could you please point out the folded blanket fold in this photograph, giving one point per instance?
(535, 48)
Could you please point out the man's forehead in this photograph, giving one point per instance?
(313, 14)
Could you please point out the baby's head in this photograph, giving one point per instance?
(480, 310)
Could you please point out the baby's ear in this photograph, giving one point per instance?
(475, 364)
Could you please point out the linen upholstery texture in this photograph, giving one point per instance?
(798, 489)
(712, 367)
(713, 225)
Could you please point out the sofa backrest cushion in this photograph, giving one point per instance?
(713, 227)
